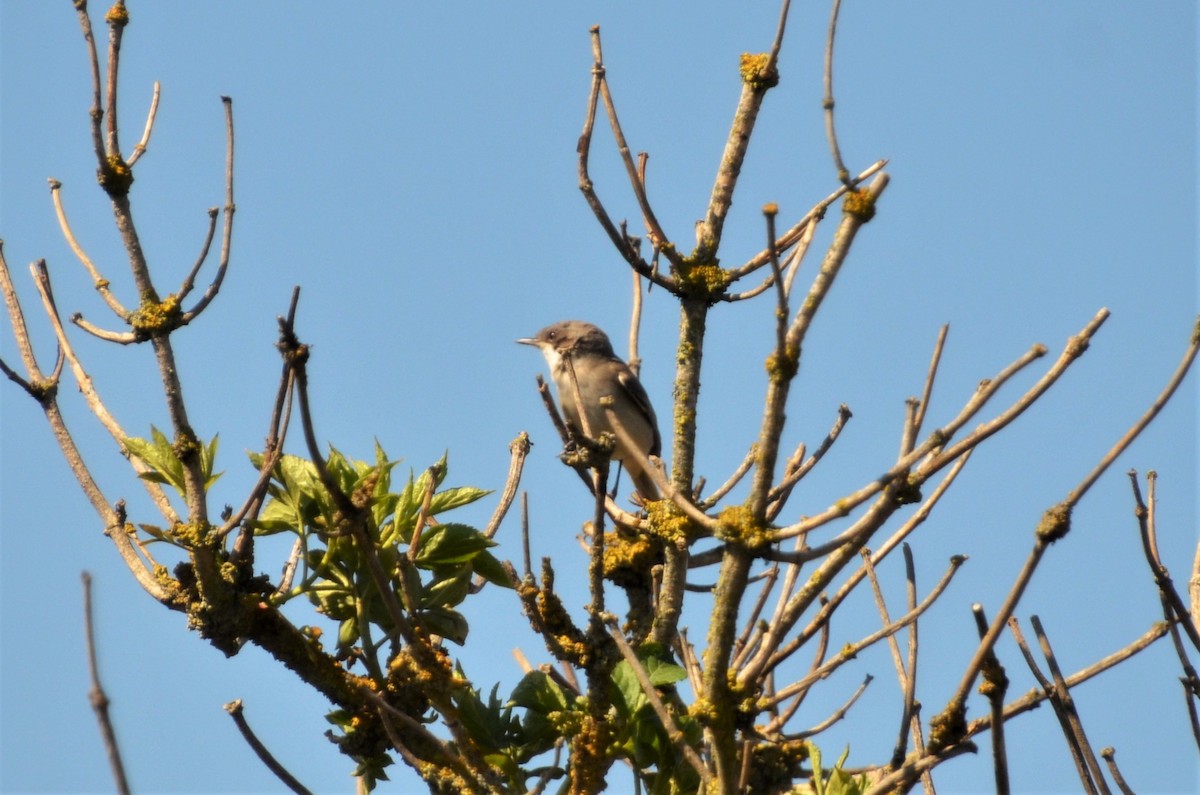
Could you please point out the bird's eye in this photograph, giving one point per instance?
(551, 334)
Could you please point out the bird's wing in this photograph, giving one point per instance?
(637, 393)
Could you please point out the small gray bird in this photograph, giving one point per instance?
(575, 345)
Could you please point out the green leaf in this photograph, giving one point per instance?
(539, 693)
(448, 623)
(208, 455)
(276, 517)
(489, 724)
(157, 533)
(486, 565)
(631, 698)
(450, 543)
(159, 455)
(447, 591)
(455, 498)
(298, 475)
(662, 672)
(348, 633)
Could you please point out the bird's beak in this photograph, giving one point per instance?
(527, 341)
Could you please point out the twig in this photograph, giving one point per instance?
(1110, 758)
(994, 688)
(755, 84)
(911, 707)
(927, 391)
(787, 357)
(227, 229)
(1056, 521)
(296, 355)
(837, 715)
(658, 238)
(118, 337)
(21, 334)
(114, 526)
(1054, 694)
(1064, 706)
(97, 696)
(95, 112)
(635, 323)
(830, 132)
(728, 486)
(519, 448)
(414, 544)
(1175, 609)
(272, 453)
(1033, 699)
(852, 649)
(98, 281)
(794, 474)
(1173, 383)
(620, 241)
(140, 149)
(527, 560)
(117, 18)
(234, 708)
(805, 226)
(190, 280)
(781, 306)
(906, 674)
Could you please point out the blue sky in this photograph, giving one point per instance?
(413, 168)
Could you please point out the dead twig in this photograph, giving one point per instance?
(97, 696)
(234, 708)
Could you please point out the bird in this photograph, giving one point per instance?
(573, 346)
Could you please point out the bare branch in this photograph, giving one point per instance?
(852, 649)
(658, 238)
(1060, 699)
(837, 715)
(190, 280)
(1173, 604)
(96, 112)
(1110, 758)
(620, 241)
(119, 337)
(736, 477)
(994, 688)
(1173, 383)
(827, 103)
(140, 149)
(117, 18)
(805, 226)
(759, 75)
(794, 472)
(1056, 521)
(1033, 699)
(20, 331)
(227, 228)
(97, 696)
(519, 448)
(98, 281)
(927, 391)
(234, 708)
